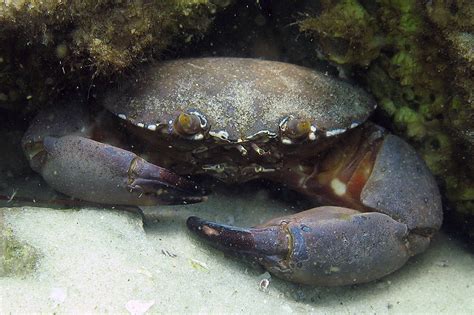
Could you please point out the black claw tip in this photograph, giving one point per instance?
(194, 223)
(222, 236)
(256, 244)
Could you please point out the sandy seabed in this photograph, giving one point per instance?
(102, 260)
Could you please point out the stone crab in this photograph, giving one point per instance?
(239, 119)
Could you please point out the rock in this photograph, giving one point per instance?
(17, 258)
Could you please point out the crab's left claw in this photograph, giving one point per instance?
(98, 172)
(327, 246)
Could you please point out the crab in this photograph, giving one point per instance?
(239, 119)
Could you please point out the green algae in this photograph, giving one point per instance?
(347, 31)
(52, 46)
(16, 258)
(418, 60)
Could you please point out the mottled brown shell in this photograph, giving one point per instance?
(239, 97)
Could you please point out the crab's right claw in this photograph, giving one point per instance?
(327, 246)
(98, 172)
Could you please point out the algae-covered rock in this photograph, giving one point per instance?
(48, 45)
(16, 258)
(346, 32)
(419, 59)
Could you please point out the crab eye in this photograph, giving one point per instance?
(187, 124)
(297, 128)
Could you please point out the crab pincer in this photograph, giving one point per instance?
(327, 246)
(102, 173)
(398, 210)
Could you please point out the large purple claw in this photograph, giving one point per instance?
(327, 246)
(97, 172)
(398, 211)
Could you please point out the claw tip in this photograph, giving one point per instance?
(198, 225)
(194, 223)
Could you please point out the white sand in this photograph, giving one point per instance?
(98, 260)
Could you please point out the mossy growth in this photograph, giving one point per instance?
(52, 46)
(346, 32)
(418, 61)
(16, 258)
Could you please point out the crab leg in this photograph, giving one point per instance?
(395, 208)
(80, 167)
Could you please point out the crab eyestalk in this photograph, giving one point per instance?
(190, 125)
(295, 130)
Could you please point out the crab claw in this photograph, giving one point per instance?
(98, 172)
(327, 246)
(398, 211)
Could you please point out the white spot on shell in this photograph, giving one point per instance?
(141, 125)
(334, 132)
(284, 123)
(218, 168)
(286, 141)
(122, 116)
(353, 125)
(221, 134)
(267, 133)
(261, 169)
(202, 119)
(198, 136)
(338, 187)
(151, 127)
